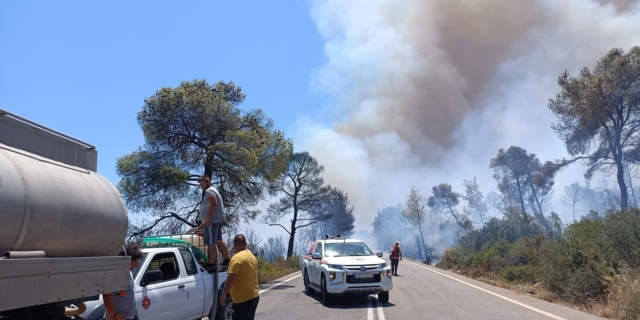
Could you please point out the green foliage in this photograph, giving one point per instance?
(576, 264)
(598, 114)
(197, 129)
(622, 236)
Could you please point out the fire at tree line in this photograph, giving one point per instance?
(512, 233)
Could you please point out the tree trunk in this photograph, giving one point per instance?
(424, 248)
(633, 193)
(524, 212)
(291, 238)
(624, 201)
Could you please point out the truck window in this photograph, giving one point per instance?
(318, 248)
(167, 263)
(137, 270)
(189, 262)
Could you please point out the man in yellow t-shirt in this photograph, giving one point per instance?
(242, 281)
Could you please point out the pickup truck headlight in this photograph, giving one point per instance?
(334, 266)
(383, 265)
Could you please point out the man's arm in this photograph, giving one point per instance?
(231, 280)
(108, 304)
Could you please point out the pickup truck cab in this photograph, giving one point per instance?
(170, 285)
(337, 267)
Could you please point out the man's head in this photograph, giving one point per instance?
(132, 250)
(205, 182)
(239, 242)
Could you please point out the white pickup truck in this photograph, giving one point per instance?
(336, 267)
(170, 285)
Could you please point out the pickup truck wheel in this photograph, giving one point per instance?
(226, 312)
(383, 297)
(307, 289)
(327, 299)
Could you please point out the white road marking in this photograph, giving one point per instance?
(369, 309)
(277, 284)
(380, 311)
(550, 315)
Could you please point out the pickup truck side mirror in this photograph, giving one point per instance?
(379, 254)
(151, 277)
(316, 256)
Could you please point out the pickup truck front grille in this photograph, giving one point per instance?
(368, 267)
(351, 279)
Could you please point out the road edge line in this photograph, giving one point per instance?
(550, 315)
(277, 284)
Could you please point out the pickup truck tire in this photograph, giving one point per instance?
(226, 312)
(327, 299)
(383, 297)
(307, 289)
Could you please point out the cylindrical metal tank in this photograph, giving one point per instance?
(63, 210)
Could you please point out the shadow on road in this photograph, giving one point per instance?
(349, 302)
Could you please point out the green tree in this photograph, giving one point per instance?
(416, 214)
(305, 196)
(476, 205)
(599, 115)
(444, 199)
(198, 129)
(522, 176)
(342, 219)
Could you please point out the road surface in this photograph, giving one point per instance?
(420, 292)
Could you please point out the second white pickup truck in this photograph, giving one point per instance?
(171, 285)
(337, 267)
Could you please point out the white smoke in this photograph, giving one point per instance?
(426, 92)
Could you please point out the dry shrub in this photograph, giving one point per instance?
(271, 271)
(623, 295)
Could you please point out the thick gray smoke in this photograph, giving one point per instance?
(426, 92)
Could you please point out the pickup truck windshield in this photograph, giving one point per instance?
(347, 249)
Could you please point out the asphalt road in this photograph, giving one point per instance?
(420, 292)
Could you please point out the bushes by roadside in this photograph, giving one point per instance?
(593, 262)
(270, 271)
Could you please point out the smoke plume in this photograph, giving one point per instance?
(426, 92)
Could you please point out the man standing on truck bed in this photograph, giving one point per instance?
(212, 217)
(242, 281)
(122, 305)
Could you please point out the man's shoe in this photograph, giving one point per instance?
(211, 268)
(225, 263)
(396, 275)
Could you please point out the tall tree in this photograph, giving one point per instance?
(444, 199)
(476, 205)
(416, 213)
(197, 129)
(342, 219)
(522, 175)
(599, 115)
(573, 194)
(305, 197)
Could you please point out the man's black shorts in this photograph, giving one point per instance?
(245, 310)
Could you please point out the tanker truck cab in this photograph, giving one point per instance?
(169, 284)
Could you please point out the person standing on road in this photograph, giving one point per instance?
(122, 305)
(242, 281)
(212, 217)
(395, 256)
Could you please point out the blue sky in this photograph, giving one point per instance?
(84, 67)
(386, 94)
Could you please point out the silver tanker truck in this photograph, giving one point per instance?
(61, 223)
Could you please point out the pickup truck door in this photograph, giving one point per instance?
(167, 298)
(196, 286)
(315, 273)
